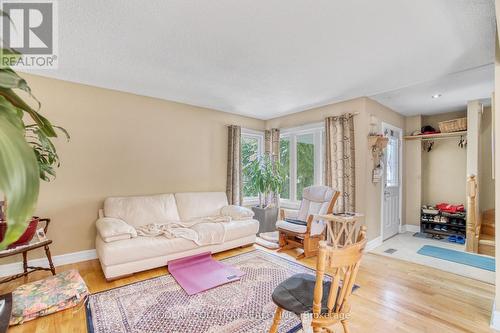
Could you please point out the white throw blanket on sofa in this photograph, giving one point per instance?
(202, 231)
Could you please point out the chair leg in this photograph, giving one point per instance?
(282, 239)
(283, 243)
(276, 320)
(345, 325)
(311, 246)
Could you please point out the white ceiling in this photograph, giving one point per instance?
(268, 58)
(455, 89)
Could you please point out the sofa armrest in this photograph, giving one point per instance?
(111, 229)
(237, 212)
(288, 213)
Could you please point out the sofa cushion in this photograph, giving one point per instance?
(138, 211)
(200, 204)
(140, 248)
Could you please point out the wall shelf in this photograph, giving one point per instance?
(436, 136)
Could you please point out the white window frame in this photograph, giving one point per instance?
(318, 131)
(259, 135)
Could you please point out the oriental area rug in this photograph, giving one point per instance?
(161, 305)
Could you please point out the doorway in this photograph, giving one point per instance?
(391, 182)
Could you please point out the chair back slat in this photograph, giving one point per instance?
(344, 303)
(344, 263)
(332, 297)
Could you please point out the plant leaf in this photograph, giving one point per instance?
(42, 122)
(19, 180)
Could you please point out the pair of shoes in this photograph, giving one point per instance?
(456, 239)
(439, 228)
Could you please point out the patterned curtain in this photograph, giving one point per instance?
(234, 184)
(339, 160)
(272, 143)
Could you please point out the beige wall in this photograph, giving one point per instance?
(368, 195)
(444, 167)
(487, 186)
(412, 173)
(125, 144)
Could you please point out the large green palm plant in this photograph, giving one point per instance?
(26, 151)
(267, 178)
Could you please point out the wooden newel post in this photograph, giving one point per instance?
(472, 232)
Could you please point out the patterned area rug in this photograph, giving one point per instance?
(161, 305)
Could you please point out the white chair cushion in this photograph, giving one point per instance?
(315, 200)
(317, 227)
(139, 211)
(200, 204)
(301, 229)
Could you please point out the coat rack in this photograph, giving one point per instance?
(428, 140)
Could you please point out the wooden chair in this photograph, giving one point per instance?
(327, 301)
(305, 231)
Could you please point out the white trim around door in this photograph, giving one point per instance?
(389, 127)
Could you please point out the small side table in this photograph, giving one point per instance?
(341, 228)
(24, 250)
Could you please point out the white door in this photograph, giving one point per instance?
(391, 185)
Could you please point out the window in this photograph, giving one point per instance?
(251, 148)
(301, 155)
(392, 162)
(285, 162)
(305, 162)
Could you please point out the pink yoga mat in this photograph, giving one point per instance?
(201, 272)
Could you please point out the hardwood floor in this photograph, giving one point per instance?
(395, 296)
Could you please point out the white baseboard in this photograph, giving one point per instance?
(409, 228)
(495, 319)
(63, 259)
(374, 243)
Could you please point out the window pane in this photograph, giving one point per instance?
(305, 162)
(249, 152)
(285, 162)
(392, 165)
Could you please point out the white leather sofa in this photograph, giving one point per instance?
(125, 255)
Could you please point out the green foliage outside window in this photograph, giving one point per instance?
(285, 164)
(305, 167)
(249, 152)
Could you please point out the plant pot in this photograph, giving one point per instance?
(267, 218)
(26, 237)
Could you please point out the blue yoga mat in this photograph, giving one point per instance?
(465, 258)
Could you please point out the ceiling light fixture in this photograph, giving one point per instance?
(436, 96)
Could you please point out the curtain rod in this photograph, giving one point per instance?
(351, 113)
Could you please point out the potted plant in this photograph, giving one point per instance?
(267, 178)
(26, 153)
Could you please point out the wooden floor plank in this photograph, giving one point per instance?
(395, 296)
